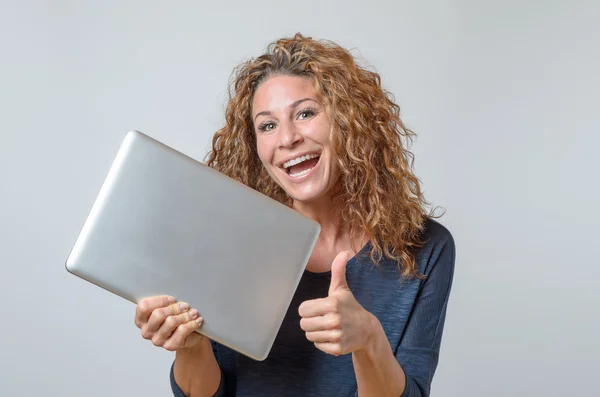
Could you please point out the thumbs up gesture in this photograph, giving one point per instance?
(337, 324)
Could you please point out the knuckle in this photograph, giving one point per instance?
(146, 334)
(332, 305)
(171, 322)
(334, 322)
(169, 346)
(159, 313)
(144, 306)
(157, 340)
(337, 336)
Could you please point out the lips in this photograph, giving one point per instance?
(301, 166)
(299, 160)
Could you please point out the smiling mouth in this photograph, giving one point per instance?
(302, 165)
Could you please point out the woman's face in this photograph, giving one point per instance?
(292, 135)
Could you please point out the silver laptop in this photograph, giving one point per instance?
(166, 224)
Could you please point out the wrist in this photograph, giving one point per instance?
(196, 370)
(374, 335)
(201, 344)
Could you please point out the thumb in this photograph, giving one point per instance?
(338, 272)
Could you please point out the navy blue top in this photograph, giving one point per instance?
(412, 313)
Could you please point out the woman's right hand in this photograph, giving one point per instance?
(168, 323)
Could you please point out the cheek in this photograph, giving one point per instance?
(265, 154)
(314, 132)
(260, 148)
(319, 131)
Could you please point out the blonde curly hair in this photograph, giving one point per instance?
(379, 196)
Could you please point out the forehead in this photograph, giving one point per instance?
(280, 91)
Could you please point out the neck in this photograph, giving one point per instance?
(327, 214)
(334, 237)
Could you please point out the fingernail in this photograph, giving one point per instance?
(199, 321)
(193, 313)
(171, 299)
(184, 306)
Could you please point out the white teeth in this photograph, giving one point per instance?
(300, 173)
(298, 160)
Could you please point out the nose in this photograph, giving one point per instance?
(289, 135)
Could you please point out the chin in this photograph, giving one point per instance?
(305, 198)
(308, 195)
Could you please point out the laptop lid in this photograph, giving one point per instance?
(166, 224)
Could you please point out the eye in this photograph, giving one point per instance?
(306, 114)
(266, 127)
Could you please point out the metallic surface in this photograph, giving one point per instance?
(164, 223)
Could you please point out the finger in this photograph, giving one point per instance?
(178, 338)
(146, 306)
(170, 325)
(318, 307)
(327, 322)
(159, 315)
(338, 272)
(331, 336)
(335, 349)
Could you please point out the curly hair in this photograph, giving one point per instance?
(379, 196)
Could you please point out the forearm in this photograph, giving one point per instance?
(377, 370)
(196, 370)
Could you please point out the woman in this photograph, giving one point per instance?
(308, 127)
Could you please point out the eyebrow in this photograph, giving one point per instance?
(293, 105)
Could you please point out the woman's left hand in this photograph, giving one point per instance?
(337, 324)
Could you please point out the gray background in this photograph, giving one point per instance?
(504, 97)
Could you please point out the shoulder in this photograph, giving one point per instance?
(434, 233)
(437, 248)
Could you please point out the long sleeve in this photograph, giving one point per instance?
(419, 347)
